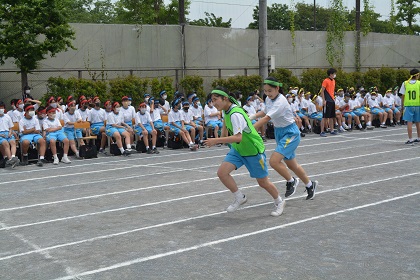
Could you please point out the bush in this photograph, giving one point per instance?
(191, 84)
(244, 84)
(285, 77)
(311, 79)
(76, 88)
(130, 86)
(164, 83)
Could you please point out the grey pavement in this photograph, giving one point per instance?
(163, 216)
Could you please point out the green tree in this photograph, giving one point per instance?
(407, 12)
(30, 30)
(148, 11)
(277, 17)
(212, 20)
(305, 17)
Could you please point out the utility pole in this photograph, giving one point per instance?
(357, 50)
(314, 15)
(182, 24)
(262, 39)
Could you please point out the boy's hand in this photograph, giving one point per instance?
(210, 142)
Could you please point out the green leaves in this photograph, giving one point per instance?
(30, 30)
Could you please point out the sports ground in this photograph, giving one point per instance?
(162, 216)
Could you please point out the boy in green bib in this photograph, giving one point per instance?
(246, 148)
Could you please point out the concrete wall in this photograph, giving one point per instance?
(154, 51)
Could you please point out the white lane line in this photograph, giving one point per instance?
(144, 175)
(65, 168)
(233, 238)
(191, 218)
(172, 184)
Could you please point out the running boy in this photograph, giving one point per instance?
(287, 136)
(247, 148)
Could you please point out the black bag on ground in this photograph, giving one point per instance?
(113, 149)
(269, 132)
(140, 147)
(60, 152)
(88, 151)
(174, 141)
(316, 129)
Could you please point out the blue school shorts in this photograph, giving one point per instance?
(139, 131)
(70, 133)
(256, 165)
(300, 115)
(32, 138)
(110, 130)
(347, 114)
(376, 111)
(96, 127)
(6, 138)
(316, 116)
(359, 111)
(287, 139)
(213, 124)
(188, 127)
(130, 123)
(56, 135)
(174, 129)
(412, 114)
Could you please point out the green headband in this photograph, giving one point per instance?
(273, 83)
(222, 93)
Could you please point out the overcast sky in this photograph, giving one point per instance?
(241, 10)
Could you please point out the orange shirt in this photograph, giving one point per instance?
(329, 86)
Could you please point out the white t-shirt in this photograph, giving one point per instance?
(18, 115)
(353, 103)
(311, 108)
(97, 116)
(115, 119)
(5, 123)
(174, 116)
(29, 124)
(187, 117)
(397, 100)
(143, 119)
(373, 103)
(318, 101)
(71, 118)
(279, 111)
(51, 123)
(156, 114)
(207, 112)
(239, 123)
(388, 101)
(197, 112)
(11, 114)
(84, 114)
(250, 110)
(129, 114)
(344, 103)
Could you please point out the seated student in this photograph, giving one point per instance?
(11, 113)
(52, 132)
(388, 104)
(197, 111)
(312, 110)
(249, 108)
(144, 127)
(31, 133)
(41, 115)
(189, 124)
(156, 112)
(83, 109)
(71, 116)
(376, 110)
(7, 140)
(97, 117)
(360, 111)
(129, 113)
(347, 107)
(116, 127)
(60, 103)
(53, 103)
(212, 118)
(19, 112)
(295, 109)
(163, 95)
(175, 124)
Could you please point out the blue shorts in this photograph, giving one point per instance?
(96, 128)
(347, 114)
(316, 116)
(159, 124)
(174, 129)
(130, 123)
(110, 130)
(395, 110)
(375, 111)
(256, 165)
(32, 138)
(287, 139)
(189, 127)
(386, 109)
(213, 124)
(8, 139)
(412, 114)
(300, 115)
(56, 135)
(359, 111)
(139, 131)
(70, 133)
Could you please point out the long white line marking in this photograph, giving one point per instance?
(188, 219)
(172, 184)
(233, 238)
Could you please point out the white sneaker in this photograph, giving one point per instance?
(235, 205)
(65, 160)
(345, 126)
(278, 209)
(56, 161)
